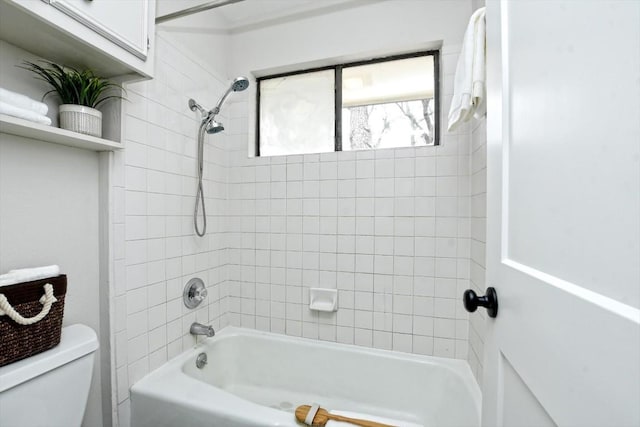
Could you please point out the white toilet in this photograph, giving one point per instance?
(51, 388)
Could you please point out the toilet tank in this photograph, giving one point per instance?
(51, 388)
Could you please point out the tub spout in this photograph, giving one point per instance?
(200, 329)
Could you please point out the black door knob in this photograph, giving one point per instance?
(489, 301)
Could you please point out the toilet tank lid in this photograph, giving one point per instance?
(76, 341)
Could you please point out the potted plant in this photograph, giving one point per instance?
(80, 92)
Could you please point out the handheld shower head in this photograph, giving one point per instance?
(213, 126)
(209, 125)
(239, 84)
(208, 122)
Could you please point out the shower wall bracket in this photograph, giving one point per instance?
(194, 106)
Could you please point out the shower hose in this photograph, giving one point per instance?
(200, 193)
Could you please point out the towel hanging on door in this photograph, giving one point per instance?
(469, 90)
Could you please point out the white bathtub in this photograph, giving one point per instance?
(258, 379)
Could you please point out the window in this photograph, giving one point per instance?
(382, 103)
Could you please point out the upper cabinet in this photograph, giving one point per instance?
(124, 23)
(114, 38)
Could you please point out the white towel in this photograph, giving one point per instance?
(21, 113)
(469, 90)
(28, 274)
(22, 101)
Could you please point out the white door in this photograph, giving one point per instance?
(563, 249)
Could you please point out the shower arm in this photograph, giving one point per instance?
(193, 106)
(195, 9)
(210, 114)
(216, 109)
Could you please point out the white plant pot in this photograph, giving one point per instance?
(81, 119)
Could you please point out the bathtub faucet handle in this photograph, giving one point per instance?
(200, 329)
(200, 294)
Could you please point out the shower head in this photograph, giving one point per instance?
(214, 126)
(210, 125)
(239, 84)
(208, 121)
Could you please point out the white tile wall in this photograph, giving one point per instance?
(390, 229)
(478, 226)
(478, 239)
(155, 249)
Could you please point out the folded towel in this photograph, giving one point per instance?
(22, 101)
(469, 88)
(21, 113)
(29, 274)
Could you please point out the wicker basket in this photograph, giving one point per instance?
(21, 341)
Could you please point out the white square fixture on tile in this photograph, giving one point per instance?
(322, 299)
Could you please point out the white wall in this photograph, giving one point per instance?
(374, 28)
(478, 172)
(49, 214)
(478, 243)
(389, 229)
(155, 249)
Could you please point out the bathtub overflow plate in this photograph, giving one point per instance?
(194, 292)
(201, 360)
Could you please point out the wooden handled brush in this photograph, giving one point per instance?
(322, 418)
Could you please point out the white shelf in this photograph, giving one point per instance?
(14, 126)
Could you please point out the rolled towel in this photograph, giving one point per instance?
(21, 113)
(22, 101)
(28, 274)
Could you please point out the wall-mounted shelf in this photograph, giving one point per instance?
(14, 126)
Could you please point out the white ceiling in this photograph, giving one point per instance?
(250, 14)
(251, 11)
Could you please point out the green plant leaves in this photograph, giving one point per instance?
(73, 86)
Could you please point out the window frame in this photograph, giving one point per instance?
(337, 147)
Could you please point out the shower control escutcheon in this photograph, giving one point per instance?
(194, 293)
(489, 301)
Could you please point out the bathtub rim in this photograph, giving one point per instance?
(457, 367)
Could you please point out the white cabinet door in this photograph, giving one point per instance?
(563, 248)
(124, 22)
